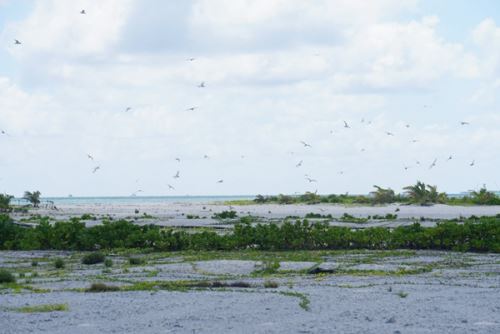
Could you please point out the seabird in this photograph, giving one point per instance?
(170, 187)
(433, 164)
(299, 164)
(202, 84)
(176, 176)
(310, 180)
(90, 157)
(305, 144)
(346, 125)
(83, 11)
(96, 169)
(17, 42)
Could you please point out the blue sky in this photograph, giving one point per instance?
(276, 72)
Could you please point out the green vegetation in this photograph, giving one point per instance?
(6, 277)
(108, 263)
(304, 301)
(479, 234)
(93, 258)
(188, 216)
(402, 294)
(347, 218)
(420, 193)
(59, 263)
(135, 261)
(34, 263)
(42, 308)
(101, 287)
(225, 215)
(312, 215)
(270, 285)
(5, 202)
(32, 197)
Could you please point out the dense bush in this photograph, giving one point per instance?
(225, 215)
(5, 202)
(59, 263)
(135, 261)
(101, 287)
(6, 277)
(475, 234)
(93, 258)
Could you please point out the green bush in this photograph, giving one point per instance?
(108, 263)
(93, 258)
(101, 287)
(34, 263)
(59, 263)
(225, 215)
(6, 277)
(136, 261)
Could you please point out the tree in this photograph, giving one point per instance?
(417, 193)
(5, 202)
(483, 196)
(423, 194)
(32, 197)
(381, 195)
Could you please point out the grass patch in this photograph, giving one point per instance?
(304, 300)
(42, 308)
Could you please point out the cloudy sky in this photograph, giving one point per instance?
(276, 72)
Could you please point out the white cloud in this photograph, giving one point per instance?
(276, 72)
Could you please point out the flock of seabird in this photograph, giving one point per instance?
(305, 144)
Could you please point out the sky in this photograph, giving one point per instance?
(276, 73)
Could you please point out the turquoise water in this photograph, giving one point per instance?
(136, 199)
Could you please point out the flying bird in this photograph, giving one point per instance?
(83, 11)
(414, 141)
(449, 158)
(16, 42)
(472, 163)
(90, 157)
(4, 133)
(299, 164)
(220, 181)
(305, 144)
(191, 109)
(407, 126)
(464, 123)
(202, 84)
(389, 133)
(178, 159)
(176, 176)
(346, 125)
(170, 187)
(128, 109)
(433, 164)
(96, 169)
(206, 157)
(191, 59)
(407, 167)
(310, 180)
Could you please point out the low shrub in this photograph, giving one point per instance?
(135, 261)
(101, 287)
(270, 285)
(59, 263)
(93, 258)
(108, 263)
(6, 277)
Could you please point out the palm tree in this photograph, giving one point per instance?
(483, 196)
(32, 197)
(417, 193)
(434, 196)
(5, 202)
(381, 195)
